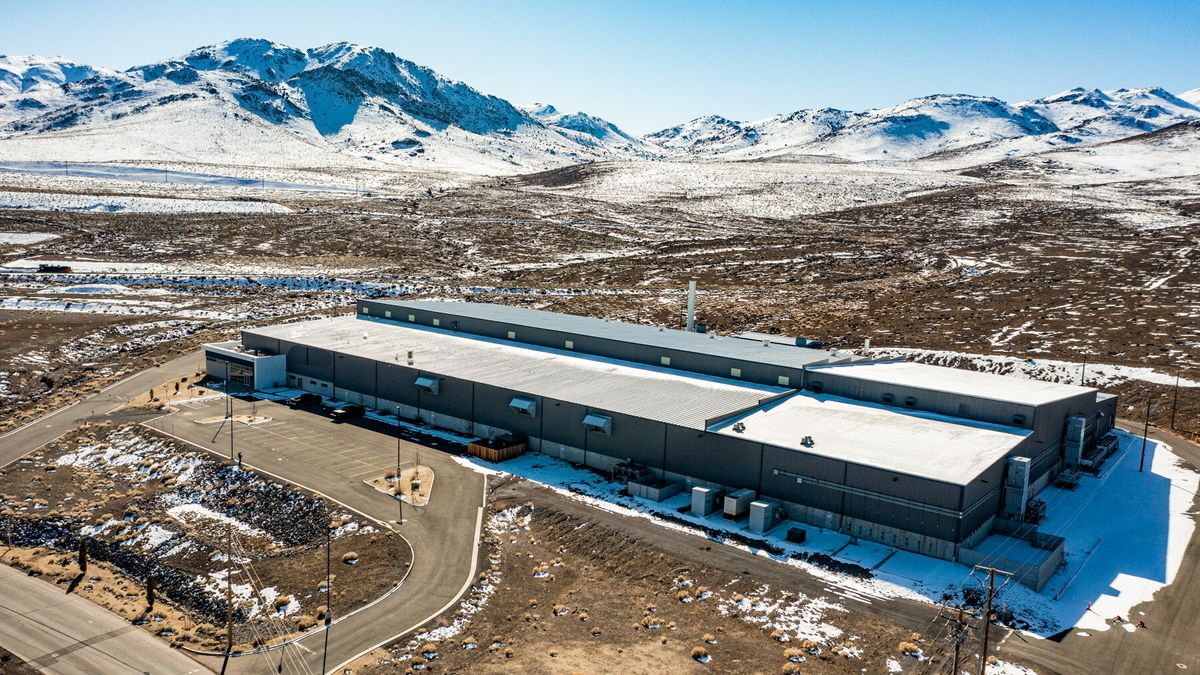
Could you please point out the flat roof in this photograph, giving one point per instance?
(666, 338)
(956, 381)
(650, 392)
(910, 442)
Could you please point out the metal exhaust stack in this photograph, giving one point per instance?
(691, 306)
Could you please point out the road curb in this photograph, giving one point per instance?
(457, 597)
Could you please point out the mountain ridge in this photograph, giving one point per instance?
(368, 104)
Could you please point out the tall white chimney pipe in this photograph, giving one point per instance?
(691, 310)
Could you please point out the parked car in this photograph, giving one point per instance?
(349, 412)
(304, 400)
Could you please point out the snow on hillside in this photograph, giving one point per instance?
(1167, 153)
(1192, 96)
(588, 130)
(251, 102)
(759, 189)
(956, 130)
(340, 105)
(47, 201)
(20, 74)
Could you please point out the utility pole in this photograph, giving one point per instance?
(231, 425)
(1145, 432)
(228, 595)
(399, 492)
(987, 611)
(328, 590)
(1083, 373)
(959, 636)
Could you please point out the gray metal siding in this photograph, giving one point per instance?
(563, 423)
(308, 361)
(945, 403)
(395, 382)
(912, 488)
(785, 486)
(453, 398)
(640, 440)
(713, 457)
(354, 373)
(492, 409)
(990, 479)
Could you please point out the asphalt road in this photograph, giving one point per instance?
(56, 632)
(307, 448)
(28, 438)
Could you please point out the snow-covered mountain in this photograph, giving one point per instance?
(256, 102)
(974, 128)
(589, 130)
(231, 101)
(19, 74)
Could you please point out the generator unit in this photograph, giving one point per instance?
(764, 514)
(1079, 436)
(705, 500)
(1016, 488)
(737, 504)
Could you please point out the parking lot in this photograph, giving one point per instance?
(307, 443)
(307, 448)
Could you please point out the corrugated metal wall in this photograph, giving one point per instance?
(695, 362)
(956, 405)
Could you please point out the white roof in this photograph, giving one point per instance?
(915, 443)
(956, 381)
(650, 392)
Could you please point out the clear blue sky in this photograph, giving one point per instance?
(648, 65)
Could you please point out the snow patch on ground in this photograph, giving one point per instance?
(190, 513)
(48, 201)
(22, 238)
(102, 289)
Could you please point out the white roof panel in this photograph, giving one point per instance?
(955, 380)
(662, 394)
(910, 442)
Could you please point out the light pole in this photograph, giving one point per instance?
(399, 492)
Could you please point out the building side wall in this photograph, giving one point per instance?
(929, 400)
(696, 362)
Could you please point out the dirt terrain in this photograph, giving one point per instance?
(565, 591)
(577, 597)
(152, 511)
(995, 263)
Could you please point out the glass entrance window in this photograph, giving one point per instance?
(243, 375)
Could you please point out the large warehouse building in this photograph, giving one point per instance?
(924, 458)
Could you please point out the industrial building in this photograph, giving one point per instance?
(929, 459)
